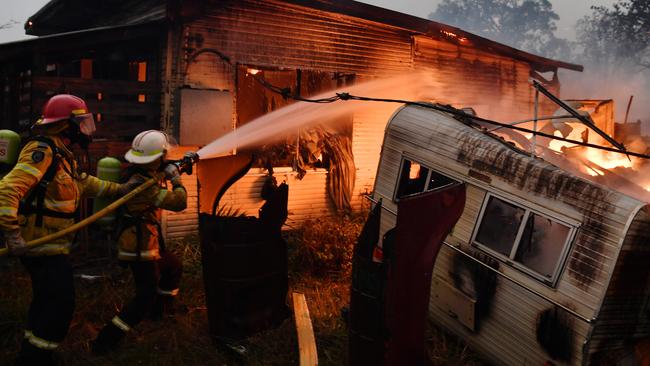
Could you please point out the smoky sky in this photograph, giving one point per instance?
(568, 10)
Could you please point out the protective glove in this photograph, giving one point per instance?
(129, 185)
(172, 173)
(191, 156)
(15, 243)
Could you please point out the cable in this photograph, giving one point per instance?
(286, 93)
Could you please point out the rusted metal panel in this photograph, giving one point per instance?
(512, 314)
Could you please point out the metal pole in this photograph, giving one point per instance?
(534, 139)
(578, 116)
(627, 111)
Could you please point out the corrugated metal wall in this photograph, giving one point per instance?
(277, 34)
(508, 333)
(179, 225)
(307, 199)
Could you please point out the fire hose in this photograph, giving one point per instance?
(90, 219)
(185, 166)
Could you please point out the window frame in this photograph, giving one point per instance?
(510, 260)
(427, 180)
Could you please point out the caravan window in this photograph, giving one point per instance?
(500, 226)
(528, 240)
(416, 178)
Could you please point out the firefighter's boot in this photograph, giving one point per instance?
(107, 339)
(162, 307)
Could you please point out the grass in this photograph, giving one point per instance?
(185, 339)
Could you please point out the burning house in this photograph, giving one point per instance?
(201, 68)
(539, 265)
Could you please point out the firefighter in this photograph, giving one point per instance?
(41, 196)
(156, 272)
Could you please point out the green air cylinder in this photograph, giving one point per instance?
(9, 150)
(107, 169)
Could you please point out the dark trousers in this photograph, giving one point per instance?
(149, 277)
(50, 312)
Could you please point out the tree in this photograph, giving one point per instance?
(527, 24)
(620, 34)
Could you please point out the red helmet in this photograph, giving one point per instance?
(64, 107)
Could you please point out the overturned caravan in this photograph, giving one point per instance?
(543, 264)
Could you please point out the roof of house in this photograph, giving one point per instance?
(61, 16)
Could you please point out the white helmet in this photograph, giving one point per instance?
(147, 147)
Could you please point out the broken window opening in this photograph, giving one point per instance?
(416, 178)
(530, 241)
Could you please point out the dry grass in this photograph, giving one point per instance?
(184, 339)
(181, 340)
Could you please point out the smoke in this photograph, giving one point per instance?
(617, 82)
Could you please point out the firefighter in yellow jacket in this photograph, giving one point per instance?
(156, 272)
(41, 196)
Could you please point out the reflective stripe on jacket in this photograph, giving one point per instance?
(147, 208)
(62, 195)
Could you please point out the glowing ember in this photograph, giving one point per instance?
(449, 34)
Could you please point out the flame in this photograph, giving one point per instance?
(601, 159)
(608, 160)
(557, 145)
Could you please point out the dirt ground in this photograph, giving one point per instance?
(184, 339)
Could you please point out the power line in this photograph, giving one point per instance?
(286, 93)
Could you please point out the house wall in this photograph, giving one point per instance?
(280, 35)
(509, 320)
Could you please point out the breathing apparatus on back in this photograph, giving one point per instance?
(9, 150)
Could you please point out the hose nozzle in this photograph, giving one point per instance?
(185, 164)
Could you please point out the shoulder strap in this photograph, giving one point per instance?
(35, 201)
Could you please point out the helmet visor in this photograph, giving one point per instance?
(86, 123)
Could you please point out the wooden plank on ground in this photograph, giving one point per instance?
(306, 339)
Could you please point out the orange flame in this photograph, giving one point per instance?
(601, 159)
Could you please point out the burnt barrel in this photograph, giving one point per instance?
(245, 275)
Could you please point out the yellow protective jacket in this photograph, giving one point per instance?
(141, 237)
(62, 195)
